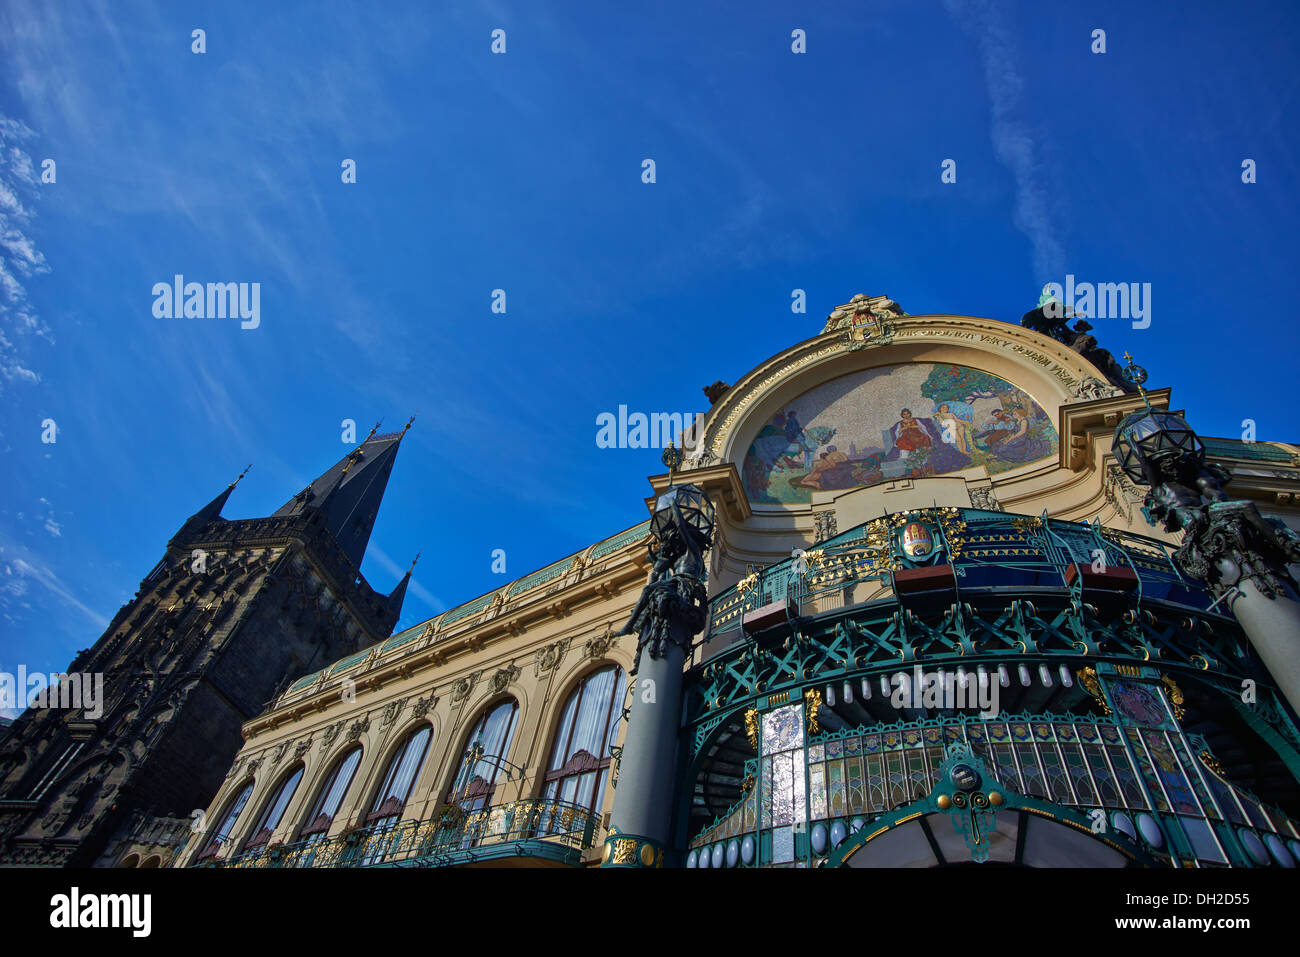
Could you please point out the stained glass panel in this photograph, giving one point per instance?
(1189, 770)
(897, 778)
(1101, 773)
(783, 729)
(916, 772)
(934, 758)
(1146, 770)
(1004, 767)
(1128, 780)
(1226, 801)
(817, 791)
(1056, 779)
(835, 782)
(876, 783)
(782, 789)
(1171, 775)
(856, 785)
(1078, 768)
(1029, 771)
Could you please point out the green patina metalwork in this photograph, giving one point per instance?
(621, 540)
(402, 638)
(306, 680)
(975, 818)
(344, 664)
(541, 577)
(1237, 449)
(1014, 601)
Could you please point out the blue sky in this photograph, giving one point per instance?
(775, 171)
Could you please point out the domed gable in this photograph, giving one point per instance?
(880, 395)
(896, 421)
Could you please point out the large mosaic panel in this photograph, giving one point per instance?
(900, 421)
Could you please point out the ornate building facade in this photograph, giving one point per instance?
(231, 614)
(937, 628)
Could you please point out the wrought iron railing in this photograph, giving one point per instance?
(455, 837)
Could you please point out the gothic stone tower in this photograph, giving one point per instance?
(235, 610)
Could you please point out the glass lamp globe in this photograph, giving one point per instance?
(694, 505)
(1145, 436)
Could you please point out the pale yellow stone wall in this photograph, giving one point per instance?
(536, 650)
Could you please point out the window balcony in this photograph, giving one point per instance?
(534, 833)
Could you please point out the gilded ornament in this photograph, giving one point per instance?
(624, 851)
(1175, 696)
(814, 699)
(1088, 678)
(749, 582)
(1210, 762)
(751, 727)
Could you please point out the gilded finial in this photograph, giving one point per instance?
(413, 561)
(409, 423)
(241, 475)
(1136, 375)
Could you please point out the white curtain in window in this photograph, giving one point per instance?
(338, 786)
(275, 809)
(403, 771)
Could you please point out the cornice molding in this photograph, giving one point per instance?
(1079, 422)
(721, 482)
(623, 577)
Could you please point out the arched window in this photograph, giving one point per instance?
(476, 778)
(222, 834)
(403, 769)
(274, 810)
(330, 797)
(579, 765)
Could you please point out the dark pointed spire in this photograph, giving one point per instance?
(398, 594)
(349, 493)
(213, 509)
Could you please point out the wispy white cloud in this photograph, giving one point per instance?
(49, 524)
(19, 567)
(20, 259)
(1013, 138)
